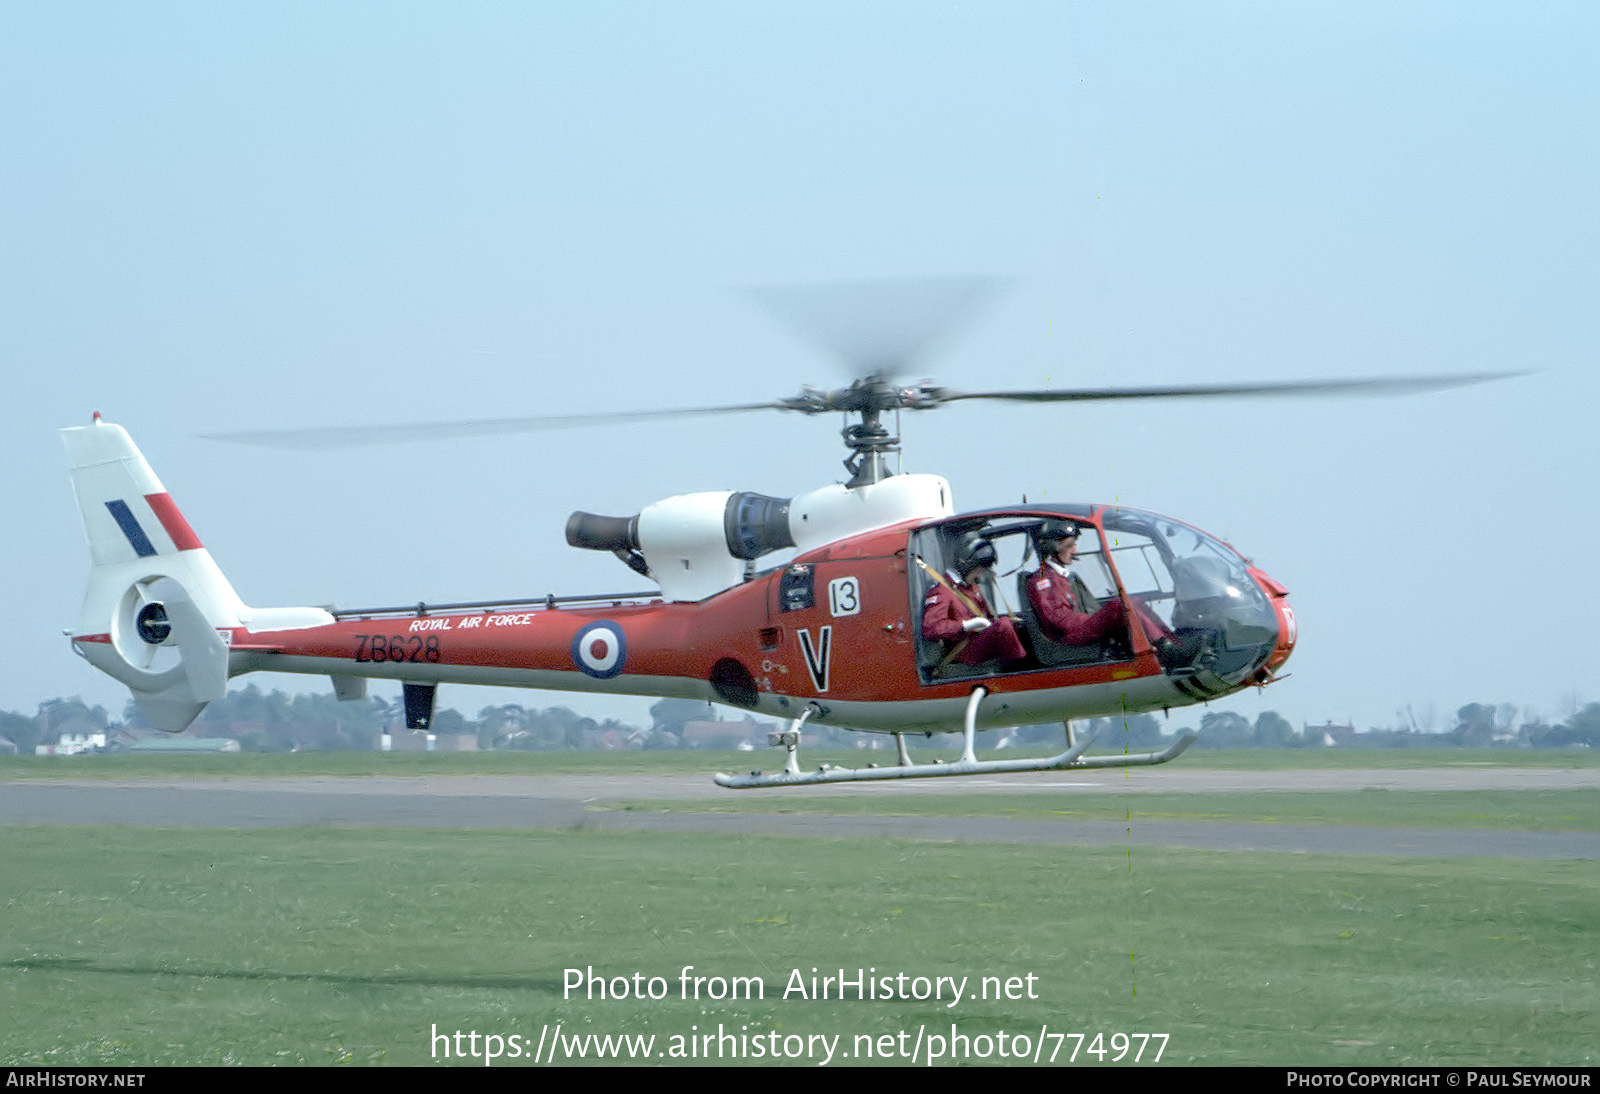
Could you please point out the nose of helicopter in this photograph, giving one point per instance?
(1278, 597)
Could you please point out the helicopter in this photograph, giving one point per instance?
(834, 636)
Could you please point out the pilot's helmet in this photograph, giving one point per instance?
(1053, 532)
(972, 552)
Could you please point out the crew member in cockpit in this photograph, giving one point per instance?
(956, 613)
(1066, 609)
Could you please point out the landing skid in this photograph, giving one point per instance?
(969, 764)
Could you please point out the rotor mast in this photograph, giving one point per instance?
(869, 440)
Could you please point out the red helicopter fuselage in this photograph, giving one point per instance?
(848, 632)
(838, 629)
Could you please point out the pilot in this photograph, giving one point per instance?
(956, 613)
(1066, 610)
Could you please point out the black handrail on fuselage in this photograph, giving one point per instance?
(420, 608)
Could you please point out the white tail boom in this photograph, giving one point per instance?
(158, 615)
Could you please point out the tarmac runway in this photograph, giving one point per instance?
(577, 801)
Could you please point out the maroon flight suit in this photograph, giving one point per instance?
(1059, 607)
(942, 616)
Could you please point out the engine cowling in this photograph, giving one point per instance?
(696, 545)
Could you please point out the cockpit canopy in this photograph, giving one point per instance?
(1192, 594)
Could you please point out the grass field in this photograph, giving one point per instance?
(1519, 810)
(320, 946)
(265, 765)
(313, 946)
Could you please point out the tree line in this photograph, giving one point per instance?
(275, 721)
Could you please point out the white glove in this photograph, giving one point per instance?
(975, 624)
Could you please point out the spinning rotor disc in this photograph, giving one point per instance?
(878, 330)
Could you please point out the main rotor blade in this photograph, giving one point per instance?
(815, 402)
(361, 436)
(877, 328)
(1392, 385)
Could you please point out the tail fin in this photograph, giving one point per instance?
(156, 600)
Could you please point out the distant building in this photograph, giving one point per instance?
(416, 741)
(610, 739)
(73, 744)
(184, 744)
(723, 734)
(1331, 735)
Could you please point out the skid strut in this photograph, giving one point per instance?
(969, 764)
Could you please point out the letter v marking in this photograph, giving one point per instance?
(817, 656)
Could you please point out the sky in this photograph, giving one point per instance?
(219, 217)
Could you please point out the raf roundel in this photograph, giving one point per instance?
(600, 650)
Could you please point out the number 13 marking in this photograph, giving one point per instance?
(844, 596)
